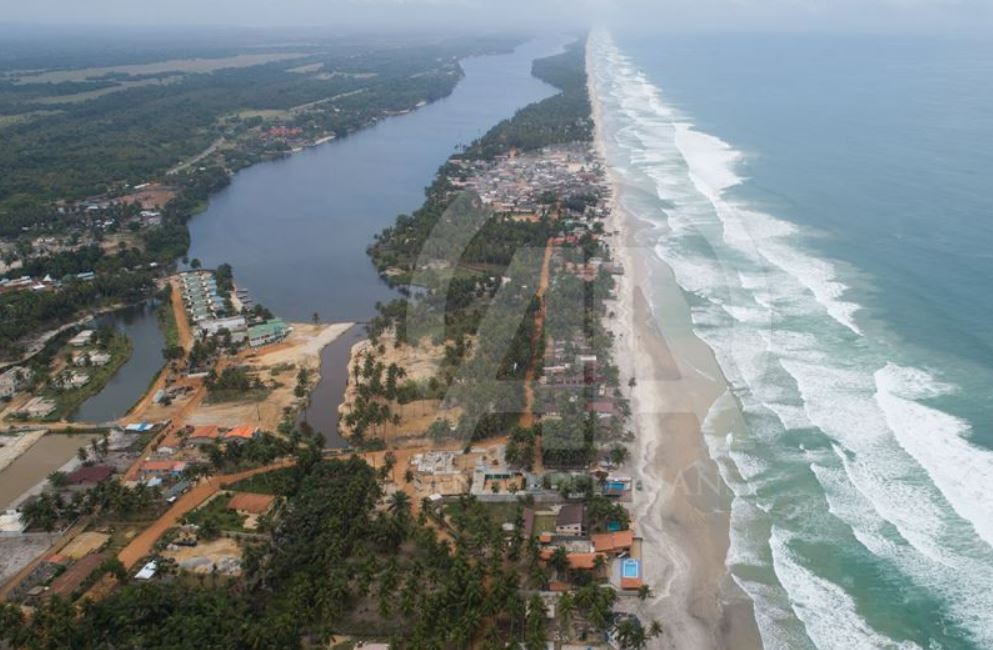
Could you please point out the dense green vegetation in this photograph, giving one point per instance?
(139, 132)
(565, 117)
(102, 146)
(488, 290)
(119, 347)
(335, 564)
(49, 511)
(26, 312)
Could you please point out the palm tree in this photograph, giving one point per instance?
(560, 559)
(566, 608)
(399, 503)
(630, 634)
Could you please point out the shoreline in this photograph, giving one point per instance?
(683, 511)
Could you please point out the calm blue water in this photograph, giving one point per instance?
(825, 203)
(123, 391)
(296, 230)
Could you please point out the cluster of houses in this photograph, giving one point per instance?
(520, 182)
(239, 329)
(208, 311)
(555, 520)
(47, 283)
(613, 554)
(201, 297)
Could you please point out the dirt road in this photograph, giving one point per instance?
(527, 417)
(143, 544)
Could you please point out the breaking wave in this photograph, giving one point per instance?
(843, 444)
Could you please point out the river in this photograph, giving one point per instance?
(125, 388)
(296, 230)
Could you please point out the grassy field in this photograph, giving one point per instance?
(158, 68)
(216, 510)
(93, 94)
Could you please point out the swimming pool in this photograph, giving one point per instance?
(630, 568)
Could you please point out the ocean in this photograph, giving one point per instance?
(825, 204)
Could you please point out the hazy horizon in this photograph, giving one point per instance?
(865, 16)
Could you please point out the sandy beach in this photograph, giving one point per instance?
(682, 511)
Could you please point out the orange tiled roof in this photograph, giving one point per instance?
(613, 542)
(209, 431)
(162, 466)
(583, 560)
(576, 560)
(245, 431)
(630, 583)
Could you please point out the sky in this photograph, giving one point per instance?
(649, 15)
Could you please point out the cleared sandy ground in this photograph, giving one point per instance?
(279, 362)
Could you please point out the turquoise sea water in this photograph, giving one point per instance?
(826, 203)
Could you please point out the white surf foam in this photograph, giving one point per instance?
(825, 608)
(966, 592)
(937, 440)
(762, 310)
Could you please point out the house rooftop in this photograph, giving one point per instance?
(613, 542)
(90, 474)
(163, 466)
(75, 575)
(571, 514)
(244, 432)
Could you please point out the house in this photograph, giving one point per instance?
(38, 407)
(90, 475)
(578, 560)
(571, 520)
(72, 380)
(244, 432)
(148, 571)
(75, 575)
(11, 523)
(603, 409)
(13, 380)
(91, 359)
(204, 435)
(268, 332)
(249, 503)
(583, 561)
(159, 468)
(176, 490)
(235, 325)
(613, 543)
